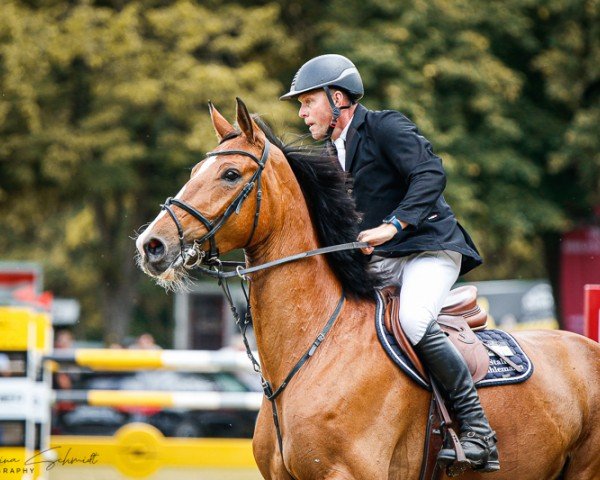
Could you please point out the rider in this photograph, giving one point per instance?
(397, 185)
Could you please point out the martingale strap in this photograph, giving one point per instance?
(267, 387)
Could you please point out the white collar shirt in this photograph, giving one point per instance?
(340, 145)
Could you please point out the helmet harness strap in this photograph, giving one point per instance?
(335, 110)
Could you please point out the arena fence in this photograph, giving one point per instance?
(137, 450)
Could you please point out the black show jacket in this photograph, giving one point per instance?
(395, 172)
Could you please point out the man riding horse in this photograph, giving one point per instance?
(397, 184)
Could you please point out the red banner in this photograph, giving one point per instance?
(580, 265)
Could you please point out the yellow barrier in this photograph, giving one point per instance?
(136, 451)
(139, 450)
(16, 324)
(25, 335)
(118, 359)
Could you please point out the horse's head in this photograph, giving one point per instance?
(222, 195)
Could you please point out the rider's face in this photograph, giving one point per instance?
(316, 112)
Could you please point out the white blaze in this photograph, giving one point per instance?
(205, 164)
(144, 236)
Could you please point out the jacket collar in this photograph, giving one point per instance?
(353, 136)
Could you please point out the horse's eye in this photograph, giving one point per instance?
(231, 175)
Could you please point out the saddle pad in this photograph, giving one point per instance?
(499, 373)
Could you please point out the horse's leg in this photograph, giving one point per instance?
(584, 464)
(265, 448)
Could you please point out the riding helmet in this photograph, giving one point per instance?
(327, 71)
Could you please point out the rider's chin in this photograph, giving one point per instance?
(317, 135)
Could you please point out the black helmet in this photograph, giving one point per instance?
(327, 71)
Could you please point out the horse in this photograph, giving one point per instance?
(349, 412)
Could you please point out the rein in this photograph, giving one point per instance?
(242, 272)
(223, 278)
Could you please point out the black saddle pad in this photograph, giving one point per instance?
(499, 373)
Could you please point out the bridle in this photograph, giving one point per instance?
(193, 255)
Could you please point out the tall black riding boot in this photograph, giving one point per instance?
(449, 370)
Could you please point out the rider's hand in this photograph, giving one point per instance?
(376, 236)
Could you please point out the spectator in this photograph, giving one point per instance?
(146, 342)
(63, 340)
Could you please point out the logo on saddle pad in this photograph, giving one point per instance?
(494, 357)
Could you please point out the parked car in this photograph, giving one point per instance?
(76, 419)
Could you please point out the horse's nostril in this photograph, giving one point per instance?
(154, 247)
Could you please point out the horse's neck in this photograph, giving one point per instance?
(290, 303)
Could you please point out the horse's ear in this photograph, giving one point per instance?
(244, 120)
(221, 126)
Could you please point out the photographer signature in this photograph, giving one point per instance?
(67, 459)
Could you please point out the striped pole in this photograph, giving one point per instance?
(148, 398)
(181, 360)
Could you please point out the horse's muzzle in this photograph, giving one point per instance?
(155, 256)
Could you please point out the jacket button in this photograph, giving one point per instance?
(349, 191)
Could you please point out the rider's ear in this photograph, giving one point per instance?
(221, 126)
(244, 121)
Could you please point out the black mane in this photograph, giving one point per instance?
(332, 210)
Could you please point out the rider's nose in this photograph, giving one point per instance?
(154, 249)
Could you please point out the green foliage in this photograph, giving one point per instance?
(103, 113)
(508, 94)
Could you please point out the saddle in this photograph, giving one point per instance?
(459, 317)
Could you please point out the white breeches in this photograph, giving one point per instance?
(426, 279)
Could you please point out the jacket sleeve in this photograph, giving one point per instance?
(420, 169)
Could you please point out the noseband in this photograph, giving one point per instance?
(193, 255)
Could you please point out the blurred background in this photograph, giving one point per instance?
(103, 114)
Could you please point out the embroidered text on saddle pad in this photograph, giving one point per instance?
(499, 373)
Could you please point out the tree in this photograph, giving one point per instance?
(509, 94)
(103, 115)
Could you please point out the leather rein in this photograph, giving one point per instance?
(192, 256)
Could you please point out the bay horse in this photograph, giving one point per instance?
(349, 413)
